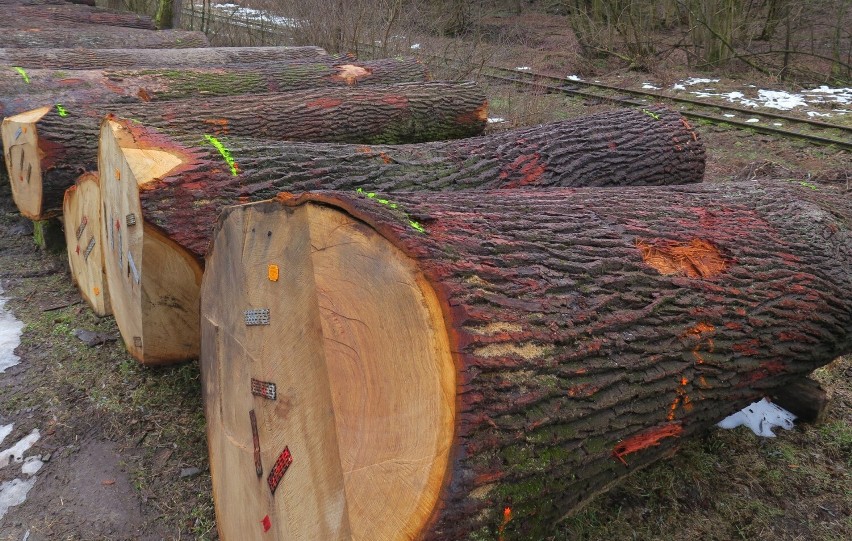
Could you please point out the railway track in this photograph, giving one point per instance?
(813, 131)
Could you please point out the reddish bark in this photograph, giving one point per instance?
(579, 359)
(570, 153)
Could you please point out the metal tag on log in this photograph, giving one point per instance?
(259, 316)
(265, 389)
(279, 469)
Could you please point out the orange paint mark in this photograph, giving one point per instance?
(365, 149)
(272, 273)
(283, 197)
(143, 95)
(681, 399)
(703, 382)
(96, 291)
(351, 74)
(528, 167)
(323, 103)
(700, 329)
(385, 158)
(696, 259)
(507, 517)
(645, 439)
(117, 174)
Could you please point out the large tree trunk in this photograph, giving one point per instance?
(75, 14)
(158, 180)
(87, 59)
(99, 37)
(22, 90)
(475, 365)
(81, 213)
(57, 144)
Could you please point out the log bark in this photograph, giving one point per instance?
(87, 59)
(81, 213)
(22, 90)
(161, 179)
(75, 14)
(582, 333)
(99, 37)
(56, 144)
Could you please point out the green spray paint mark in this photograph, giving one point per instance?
(23, 73)
(372, 195)
(650, 114)
(808, 185)
(226, 154)
(61, 110)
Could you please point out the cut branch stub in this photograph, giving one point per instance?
(57, 142)
(207, 178)
(81, 213)
(576, 359)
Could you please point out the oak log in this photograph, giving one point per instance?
(64, 35)
(475, 365)
(63, 13)
(179, 190)
(58, 143)
(31, 89)
(81, 213)
(87, 59)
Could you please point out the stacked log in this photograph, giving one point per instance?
(477, 364)
(81, 212)
(64, 13)
(88, 59)
(48, 147)
(156, 179)
(46, 35)
(22, 90)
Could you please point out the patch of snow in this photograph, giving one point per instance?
(415, 46)
(838, 95)
(761, 417)
(523, 68)
(576, 78)
(780, 100)
(649, 86)
(692, 81)
(31, 466)
(5, 430)
(14, 493)
(10, 336)
(777, 124)
(729, 115)
(753, 120)
(496, 120)
(253, 15)
(678, 86)
(16, 452)
(817, 113)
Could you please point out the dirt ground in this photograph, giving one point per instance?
(124, 447)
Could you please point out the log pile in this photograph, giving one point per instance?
(407, 329)
(151, 176)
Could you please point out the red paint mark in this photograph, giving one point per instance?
(117, 224)
(747, 348)
(788, 336)
(507, 517)
(527, 166)
(219, 125)
(365, 149)
(267, 523)
(645, 439)
(400, 102)
(733, 326)
(696, 258)
(323, 103)
(70, 81)
(583, 390)
(385, 158)
(143, 95)
(279, 469)
(612, 145)
(766, 369)
(78, 249)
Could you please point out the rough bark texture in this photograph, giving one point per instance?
(409, 113)
(87, 59)
(19, 93)
(619, 148)
(75, 14)
(593, 330)
(63, 35)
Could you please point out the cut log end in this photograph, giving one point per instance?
(355, 346)
(153, 283)
(81, 212)
(23, 161)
